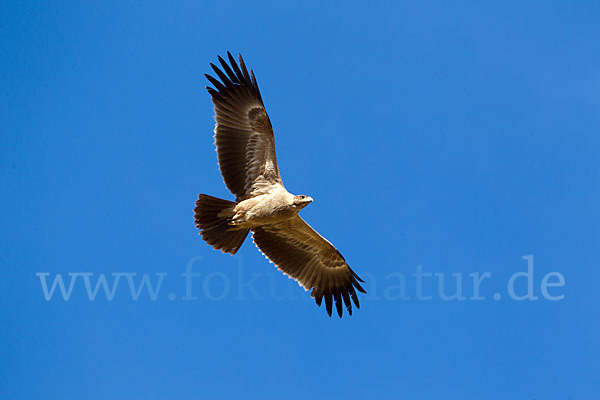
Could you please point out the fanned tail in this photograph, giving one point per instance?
(212, 217)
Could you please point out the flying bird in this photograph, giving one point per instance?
(246, 153)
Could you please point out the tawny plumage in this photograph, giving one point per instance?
(246, 152)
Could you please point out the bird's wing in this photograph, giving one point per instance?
(301, 253)
(243, 133)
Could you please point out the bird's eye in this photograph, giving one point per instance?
(302, 197)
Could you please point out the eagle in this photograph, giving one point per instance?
(246, 153)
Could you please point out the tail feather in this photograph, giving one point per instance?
(212, 220)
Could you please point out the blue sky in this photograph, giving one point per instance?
(457, 137)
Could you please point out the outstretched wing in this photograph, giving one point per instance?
(301, 253)
(243, 132)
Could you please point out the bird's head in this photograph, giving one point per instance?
(301, 201)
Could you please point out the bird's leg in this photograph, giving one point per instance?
(235, 222)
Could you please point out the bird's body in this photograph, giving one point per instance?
(264, 209)
(246, 151)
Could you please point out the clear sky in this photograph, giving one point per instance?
(450, 138)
